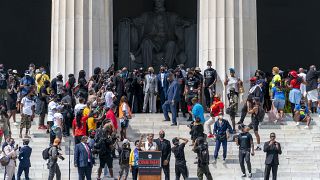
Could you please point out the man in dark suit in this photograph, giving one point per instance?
(83, 159)
(162, 84)
(173, 97)
(24, 158)
(273, 149)
(165, 147)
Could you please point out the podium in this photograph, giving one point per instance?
(149, 165)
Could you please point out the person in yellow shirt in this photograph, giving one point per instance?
(41, 77)
(92, 121)
(276, 76)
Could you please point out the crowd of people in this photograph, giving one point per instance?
(97, 112)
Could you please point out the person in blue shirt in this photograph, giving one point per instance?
(302, 114)
(279, 99)
(27, 83)
(220, 131)
(197, 110)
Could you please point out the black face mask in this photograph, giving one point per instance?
(161, 135)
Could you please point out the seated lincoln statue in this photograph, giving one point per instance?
(156, 38)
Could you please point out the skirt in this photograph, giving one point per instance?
(295, 96)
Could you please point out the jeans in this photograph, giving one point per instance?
(244, 155)
(135, 171)
(172, 106)
(224, 145)
(26, 172)
(267, 172)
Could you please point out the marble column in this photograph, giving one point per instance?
(81, 36)
(228, 37)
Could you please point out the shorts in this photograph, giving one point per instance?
(312, 95)
(295, 96)
(124, 123)
(254, 125)
(106, 160)
(25, 121)
(279, 103)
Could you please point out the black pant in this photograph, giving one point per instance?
(181, 169)
(244, 155)
(244, 112)
(54, 170)
(166, 171)
(135, 171)
(26, 172)
(67, 121)
(267, 171)
(207, 96)
(85, 172)
(204, 170)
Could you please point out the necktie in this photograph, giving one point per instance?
(88, 151)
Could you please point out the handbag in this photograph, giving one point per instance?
(4, 160)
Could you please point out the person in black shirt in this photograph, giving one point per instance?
(178, 151)
(245, 142)
(3, 85)
(257, 116)
(165, 147)
(192, 90)
(273, 149)
(201, 148)
(44, 97)
(311, 86)
(210, 79)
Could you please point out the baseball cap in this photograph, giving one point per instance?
(125, 141)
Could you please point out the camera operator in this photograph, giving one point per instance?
(201, 148)
(245, 142)
(104, 148)
(54, 154)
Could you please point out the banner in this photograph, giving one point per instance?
(149, 163)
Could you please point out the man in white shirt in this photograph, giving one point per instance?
(109, 97)
(149, 145)
(27, 115)
(80, 106)
(303, 75)
(52, 109)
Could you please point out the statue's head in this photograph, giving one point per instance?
(159, 5)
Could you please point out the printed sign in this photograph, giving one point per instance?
(149, 163)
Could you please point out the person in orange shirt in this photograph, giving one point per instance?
(216, 107)
(79, 125)
(124, 116)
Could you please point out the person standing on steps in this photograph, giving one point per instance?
(245, 142)
(27, 115)
(273, 149)
(201, 148)
(24, 158)
(178, 151)
(53, 160)
(165, 147)
(173, 97)
(210, 79)
(220, 131)
(83, 159)
(257, 116)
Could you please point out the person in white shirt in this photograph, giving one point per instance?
(27, 115)
(149, 145)
(52, 109)
(10, 152)
(80, 106)
(57, 124)
(109, 97)
(303, 75)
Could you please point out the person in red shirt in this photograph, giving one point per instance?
(111, 115)
(295, 94)
(216, 107)
(79, 126)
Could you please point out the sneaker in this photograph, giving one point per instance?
(15, 123)
(306, 127)
(244, 175)
(275, 121)
(210, 135)
(27, 136)
(298, 123)
(174, 124)
(214, 161)
(250, 175)
(258, 149)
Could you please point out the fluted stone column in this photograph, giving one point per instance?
(228, 37)
(81, 36)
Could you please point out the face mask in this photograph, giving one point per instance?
(161, 135)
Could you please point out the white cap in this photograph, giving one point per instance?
(125, 141)
(59, 74)
(14, 71)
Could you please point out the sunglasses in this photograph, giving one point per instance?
(272, 136)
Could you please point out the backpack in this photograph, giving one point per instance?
(125, 156)
(204, 154)
(4, 159)
(45, 153)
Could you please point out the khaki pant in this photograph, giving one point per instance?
(10, 171)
